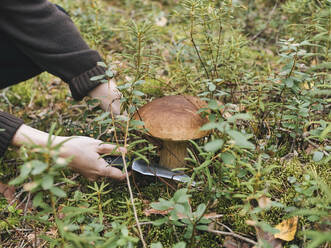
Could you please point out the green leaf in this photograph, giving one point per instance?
(205, 164)
(239, 117)
(102, 64)
(179, 208)
(267, 228)
(38, 167)
(138, 93)
(204, 221)
(317, 156)
(75, 211)
(124, 86)
(228, 158)
(214, 145)
(240, 139)
(96, 78)
(160, 222)
(17, 180)
(180, 245)
(139, 82)
(156, 245)
(180, 196)
(162, 205)
(202, 227)
(47, 182)
(320, 66)
(211, 87)
(288, 82)
(213, 104)
(110, 73)
(209, 126)
(26, 169)
(58, 192)
(102, 116)
(38, 200)
(136, 123)
(200, 210)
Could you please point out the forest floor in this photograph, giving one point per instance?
(263, 174)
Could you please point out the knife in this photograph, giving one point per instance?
(142, 167)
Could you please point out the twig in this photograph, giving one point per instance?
(268, 22)
(223, 225)
(17, 230)
(130, 190)
(71, 179)
(195, 46)
(233, 235)
(316, 146)
(218, 47)
(21, 203)
(144, 223)
(26, 206)
(16, 197)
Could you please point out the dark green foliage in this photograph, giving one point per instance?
(263, 67)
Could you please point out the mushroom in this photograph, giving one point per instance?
(173, 119)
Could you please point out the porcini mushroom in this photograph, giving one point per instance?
(173, 119)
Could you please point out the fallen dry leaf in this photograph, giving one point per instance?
(148, 212)
(287, 229)
(267, 237)
(8, 192)
(310, 149)
(263, 236)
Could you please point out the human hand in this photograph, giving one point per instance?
(84, 150)
(109, 96)
(86, 157)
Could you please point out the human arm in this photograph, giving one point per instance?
(84, 150)
(8, 127)
(50, 39)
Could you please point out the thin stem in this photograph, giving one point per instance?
(283, 89)
(218, 48)
(194, 45)
(233, 235)
(138, 55)
(130, 190)
(210, 47)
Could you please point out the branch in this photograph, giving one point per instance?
(266, 25)
(130, 190)
(233, 235)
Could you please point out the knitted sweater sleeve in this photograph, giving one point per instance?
(8, 127)
(49, 37)
(51, 40)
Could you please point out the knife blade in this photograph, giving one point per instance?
(143, 168)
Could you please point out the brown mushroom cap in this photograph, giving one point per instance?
(173, 118)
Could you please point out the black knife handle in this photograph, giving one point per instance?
(116, 161)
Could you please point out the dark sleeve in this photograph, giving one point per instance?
(8, 127)
(49, 37)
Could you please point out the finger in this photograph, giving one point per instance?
(107, 148)
(113, 172)
(88, 176)
(91, 178)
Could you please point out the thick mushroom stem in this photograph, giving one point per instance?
(173, 154)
